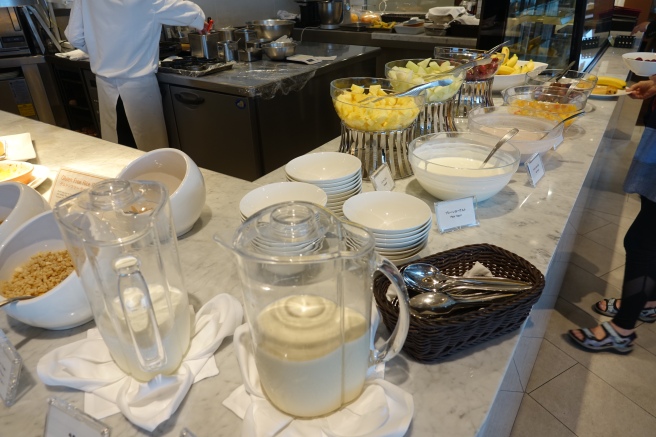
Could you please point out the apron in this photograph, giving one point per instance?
(143, 107)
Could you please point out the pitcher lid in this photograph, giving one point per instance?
(293, 230)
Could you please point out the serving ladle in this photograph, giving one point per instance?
(511, 133)
(577, 114)
(14, 299)
(427, 277)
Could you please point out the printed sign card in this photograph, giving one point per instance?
(456, 214)
(64, 419)
(69, 182)
(534, 168)
(10, 367)
(382, 179)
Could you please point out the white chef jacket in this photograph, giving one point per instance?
(121, 38)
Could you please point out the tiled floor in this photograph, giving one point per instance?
(576, 393)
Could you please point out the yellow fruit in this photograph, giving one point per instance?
(504, 69)
(611, 81)
(512, 61)
(505, 51)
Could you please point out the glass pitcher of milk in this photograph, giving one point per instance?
(121, 238)
(307, 288)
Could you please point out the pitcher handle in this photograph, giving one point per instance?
(392, 346)
(139, 314)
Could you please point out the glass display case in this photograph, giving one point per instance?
(549, 31)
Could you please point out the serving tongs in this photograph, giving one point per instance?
(432, 82)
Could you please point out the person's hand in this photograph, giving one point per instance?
(642, 27)
(643, 89)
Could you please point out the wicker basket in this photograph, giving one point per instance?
(432, 339)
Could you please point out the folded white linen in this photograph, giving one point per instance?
(382, 409)
(87, 365)
(73, 55)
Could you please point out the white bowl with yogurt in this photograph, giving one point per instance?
(447, 164)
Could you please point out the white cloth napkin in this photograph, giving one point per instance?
(88, 366)
(74, 55)
(382, 409)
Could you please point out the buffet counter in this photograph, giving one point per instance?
(475, 392)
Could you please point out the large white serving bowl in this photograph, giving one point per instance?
(646, 67)
(537, 129)
(323, 167)
(181, 176)
(387, 212)
(446, 164)
(503, 81)
(271, 194)
(18, 203)
(65, 306)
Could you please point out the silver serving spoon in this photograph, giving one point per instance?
(511, 133)
(14, 299)
(578, 114)
(495, 48)
(427, 277)
(441, 303)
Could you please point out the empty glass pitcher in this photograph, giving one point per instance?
(307, 288)
(120, 236)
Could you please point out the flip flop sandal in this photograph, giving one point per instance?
(648, 315)
(612, 340)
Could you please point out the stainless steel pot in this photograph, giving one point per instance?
(228, 51)
(226, 33)
(243, 36)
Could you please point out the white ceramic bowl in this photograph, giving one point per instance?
(181, 176)
(16, 171)
(323, 167)
(447, 164)
(271, 194)
(63, 307)
(646, 68)
(503, 81)
(387, 211)
(18, 203)
(537, 129)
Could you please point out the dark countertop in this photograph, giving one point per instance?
(267, 78)
(382, 39)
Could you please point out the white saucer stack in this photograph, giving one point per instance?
(338, 174)
(271, 194)
(400, 223)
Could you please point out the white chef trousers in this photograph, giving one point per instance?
(143, 107)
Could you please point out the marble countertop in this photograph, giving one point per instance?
(523, 219)
(267, 78)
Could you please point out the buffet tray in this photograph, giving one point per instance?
(431, 339)
(211, 69)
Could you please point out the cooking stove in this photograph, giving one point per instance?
(193, 66)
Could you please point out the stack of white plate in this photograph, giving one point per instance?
(271, 194)
(399, 222)
(338, 174)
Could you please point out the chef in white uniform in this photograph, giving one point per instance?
(121, 38)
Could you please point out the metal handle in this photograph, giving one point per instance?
(189, 98)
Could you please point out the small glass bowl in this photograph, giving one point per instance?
(579, 80)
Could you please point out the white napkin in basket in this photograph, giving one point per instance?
(382, 409)
(88, 366)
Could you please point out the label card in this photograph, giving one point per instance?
(64, 419)
(456, 214)
(534, 168)
(69, 182)
(10, 368)
(382, 179)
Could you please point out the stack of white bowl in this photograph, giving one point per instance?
(271, 194)
(400, 223)
(338, 174)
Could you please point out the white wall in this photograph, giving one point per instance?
(237, 12)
